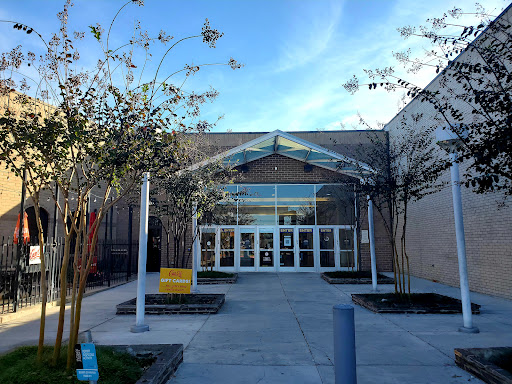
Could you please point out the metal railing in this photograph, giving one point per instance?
(114, 262)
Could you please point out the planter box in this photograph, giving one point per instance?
(419, 303)
(381, 279)
(167, 359)
(196, 303)
(482, 363)
(217, 280)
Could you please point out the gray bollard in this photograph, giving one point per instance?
(344, 344)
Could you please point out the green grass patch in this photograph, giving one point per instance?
(213, 275)
(20, 367)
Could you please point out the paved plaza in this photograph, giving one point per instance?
(277, 328)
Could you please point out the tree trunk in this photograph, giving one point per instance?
(63, 286)
(44, 288)
(72, 341)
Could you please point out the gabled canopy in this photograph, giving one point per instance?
(291, 146)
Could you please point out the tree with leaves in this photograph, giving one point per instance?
(472, 92)
(402, 172)
(178, 197)
(104, 131)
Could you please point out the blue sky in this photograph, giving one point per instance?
(297, 54)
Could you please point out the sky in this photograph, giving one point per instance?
(296, 54)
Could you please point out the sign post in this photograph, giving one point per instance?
(143, 254)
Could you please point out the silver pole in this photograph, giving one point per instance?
(371, 234)
(344, 345)
(194, 249)
(461, 248)
(143, 254)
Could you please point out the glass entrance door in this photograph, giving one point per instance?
(286, 248)
(266, 249)
(227, 249)
(247, 249)
(306, 249)
(326, 236)
(208, 249)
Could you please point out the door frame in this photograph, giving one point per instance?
(271, 228)
(247, 229)
(217, 249)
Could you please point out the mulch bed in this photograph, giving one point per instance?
(165, 360)
(230, 278)
(355, 277)
(159, 304)
(415, 303)
(492, 365)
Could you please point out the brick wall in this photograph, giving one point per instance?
(431, 242)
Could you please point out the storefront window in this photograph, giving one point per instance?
(225, 212)
(296, 204)
(334, 205)
(256, 205)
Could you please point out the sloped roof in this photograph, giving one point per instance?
(286, 144)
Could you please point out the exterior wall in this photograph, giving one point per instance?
(432, 248)
(281, 169)
(382, 245)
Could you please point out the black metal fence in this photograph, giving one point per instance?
(20, 278)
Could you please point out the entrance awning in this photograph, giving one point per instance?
(285, 144)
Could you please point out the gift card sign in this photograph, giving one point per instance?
(86, 362)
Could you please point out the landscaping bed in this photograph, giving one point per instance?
(414, 303)
(492, 365)
(115, 366)
(165, 360)
(216, 277)
(355, 277)
(165, 304)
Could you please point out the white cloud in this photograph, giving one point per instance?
(310, 37)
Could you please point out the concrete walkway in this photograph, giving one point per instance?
(277, 328)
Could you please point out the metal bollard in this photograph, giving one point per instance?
(344, 344)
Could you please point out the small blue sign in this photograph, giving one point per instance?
(87, 364)
(87, 374)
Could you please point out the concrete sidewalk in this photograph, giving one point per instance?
(277, 328)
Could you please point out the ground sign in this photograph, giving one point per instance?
(86, 362)
(173, 280)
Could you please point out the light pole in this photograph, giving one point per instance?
(143, 254)
(450, 141)
(371, 237)
(194, 249)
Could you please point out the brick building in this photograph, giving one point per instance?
(293, 206)
(432, 246)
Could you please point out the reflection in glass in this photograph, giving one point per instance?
(266, 248)
(326, 236)
(334, 205)
(306, 255)
(347, 259)
(227, 247)
(256, 205)
(327, 259)
(247, 249)
(347, 248)
(225, 212)
(208, 248)
(286, 255)
(296, 204)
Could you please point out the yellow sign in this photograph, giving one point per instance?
(173, 280)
